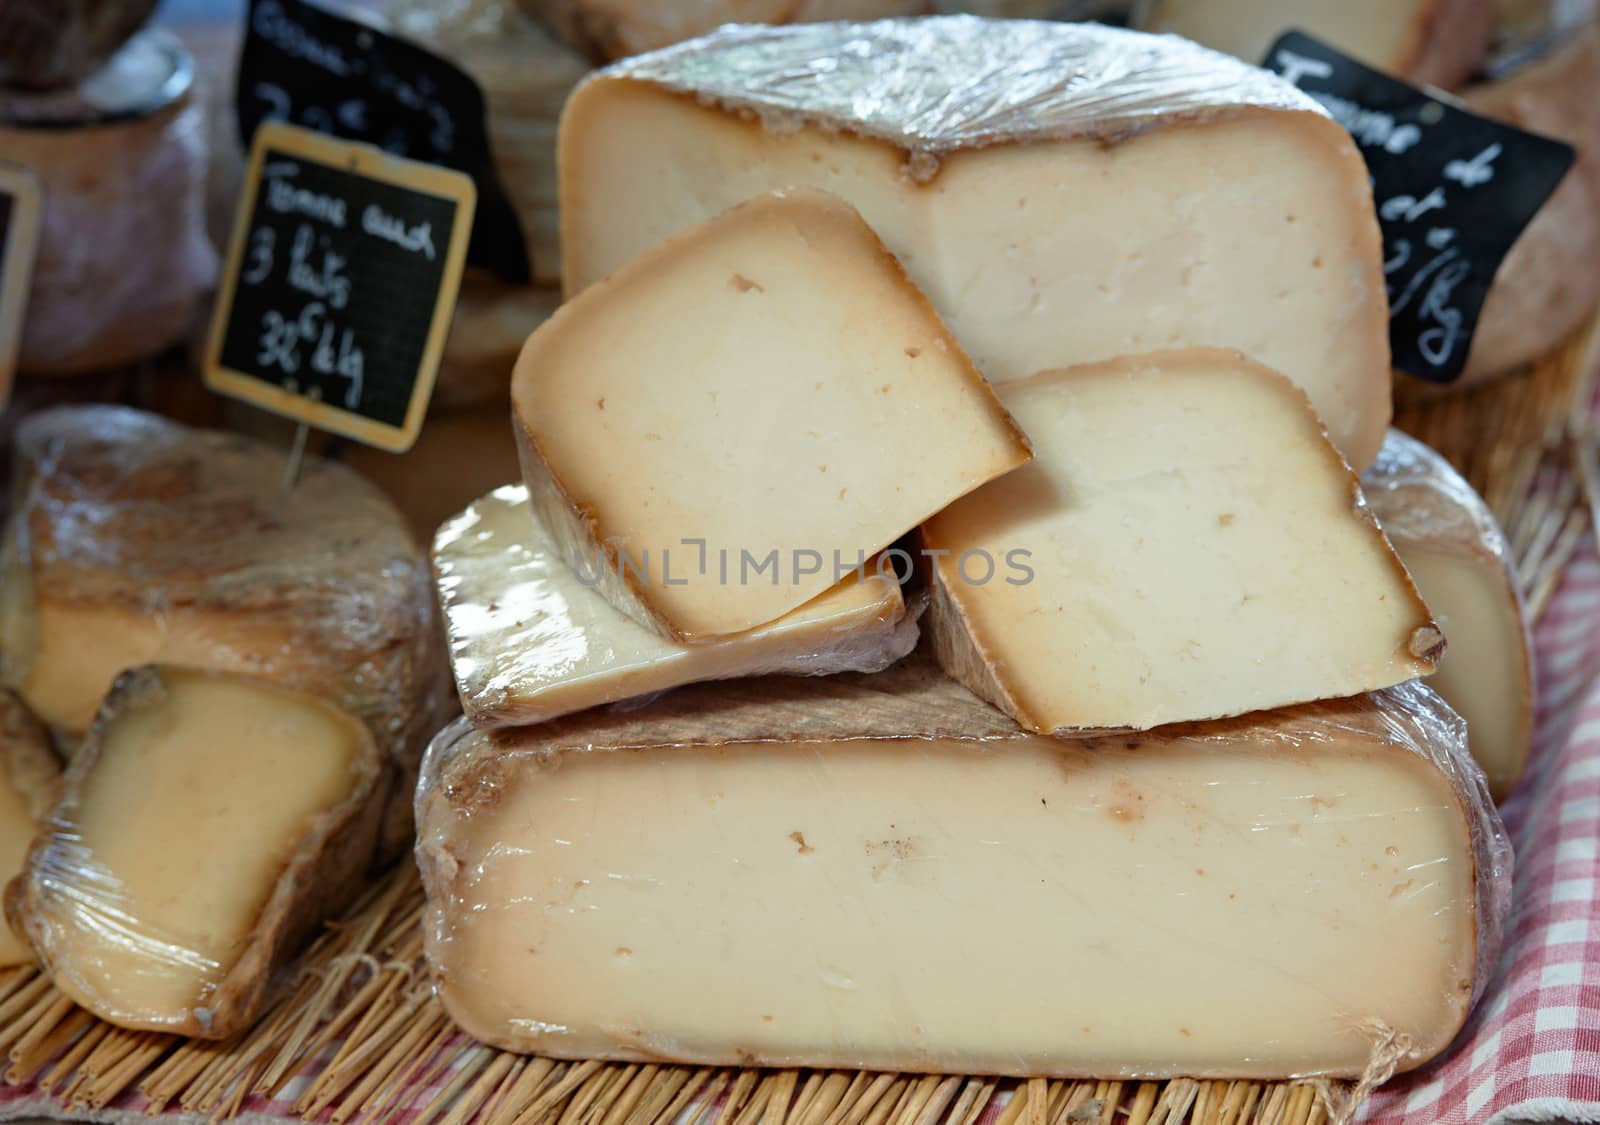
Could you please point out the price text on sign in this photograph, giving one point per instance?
(21, 210)
(1454, 190)
(340, 285)
(311, 67)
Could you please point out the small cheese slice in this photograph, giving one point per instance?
(30, 780)
(721, 420)
(899, 879)
(1456, 553)
(1063, 193)
(530, 639)
(1436, 42)
(209, 823)
(1187, 544)
(138, 540)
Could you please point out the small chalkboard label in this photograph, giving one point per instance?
(21, 211)
(1453, 189)
(340, 285)
(307, 66)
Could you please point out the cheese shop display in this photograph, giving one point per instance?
(1063, 193)
(1186, 544)
(267, 803)
(1432, 42)
(899, 878)
(1461, 562)
(30, 780)
(136, 540)
(713, 427)
(531, 639)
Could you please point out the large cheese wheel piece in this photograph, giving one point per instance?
(137, 540)
(1063, 193)
(899, 879)
(530, 638)
(209, 824)
(1186, 544)
(1460, 560)
(30, 782)
(1436, 42)
(717, 424)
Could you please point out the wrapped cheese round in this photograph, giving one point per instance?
(136, 540)
(30, 781)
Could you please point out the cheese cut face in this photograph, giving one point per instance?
(899, 879)
(138, 540)
(530, 639)
(207, 825)
(30, 780)
(718, 422)
(1063, 193)
(1461, 563)
(1437, 42)
(1186, 545)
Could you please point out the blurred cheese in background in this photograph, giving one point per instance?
(30, 781)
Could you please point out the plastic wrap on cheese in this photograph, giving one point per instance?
(530, 638)
(935, 85)
(902, 879)
(134, 539)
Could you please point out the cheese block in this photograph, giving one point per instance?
(530, 637)
(1064, 193)
(1433, 42)
(899, 879)
(613, 29)
(1187, 544)
(30, 781)
(492, 321)
(208, 825)
(719, 421)
(137, 540)
(1460, 560)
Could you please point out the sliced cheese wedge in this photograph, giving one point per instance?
(208, 824)
(1193, 547)
(30, 781)
(531, 639)
(1460, 560)
(724, 422)
(138, 540)
(1063, 193)
(899, 879)
(1437, 42)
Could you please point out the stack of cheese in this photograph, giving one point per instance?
(1096, 316)
(244, 675)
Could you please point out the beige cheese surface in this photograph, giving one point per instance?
(530, 640)
(768, 384)
(1196, 547)
(163, 858)
(17, 829)
(1253, 231)
(30, 781)
(1233, 906)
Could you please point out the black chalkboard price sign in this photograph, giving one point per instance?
(1453, 190)
(340, 285)
(21, 211)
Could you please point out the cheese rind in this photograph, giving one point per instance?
(1063, 193)
(137, 540)
(530, 640)
(1456, 553)
(30, 781)
(1191, 546)
(899, 879)
(708, 428)
(207, 825)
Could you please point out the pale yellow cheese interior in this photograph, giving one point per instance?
(17, 830)
(1163, 908)
(1254, 232)
(1196, 550)
(1382, 33)
(195, 802)
(530, 640)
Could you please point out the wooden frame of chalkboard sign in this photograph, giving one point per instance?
(21, 212)
(340, 285)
